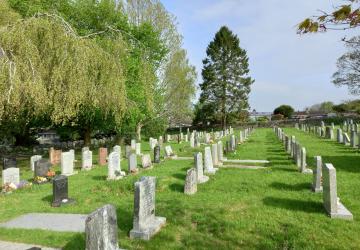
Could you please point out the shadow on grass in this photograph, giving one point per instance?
(344, 163)
(177, 187)
(99, 178)
(76, 242)
(124, 219)
(179, 176)
(295, 205)
(295, 187)
(48, 198)
(284, 169)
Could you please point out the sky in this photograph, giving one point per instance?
(288, 68)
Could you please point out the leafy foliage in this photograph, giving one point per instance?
(284, 110)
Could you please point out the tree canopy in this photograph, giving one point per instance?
(285, 110)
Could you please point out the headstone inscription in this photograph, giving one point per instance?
(86, 157)
(42, 168)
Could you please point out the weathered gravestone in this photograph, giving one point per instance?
(145, 223)
(85, 149)
(117, 149)
(146, 161)
(168, 152)
(127, 151)
(132, 163)
(339, 135)
(103, 154)
(198, 159)
(9, 162)
(317, 177)
(60, 191)
(86, 157)
(332, 203)
(214, 154)
(208, 162)
(191, 182)
(101, 229)
(33, 159)
(42, 168)
(67, 163)
(192, 141)
(303, 165)
(346, 139)
(157, 154)
(55, 156)
(114, 167)
(353, 139)
(220, 152)
(11, 175)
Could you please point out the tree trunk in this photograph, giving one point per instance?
(138, 132)
(87, 136)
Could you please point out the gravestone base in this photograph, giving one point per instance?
(317, 190)
(63, 202)
(120, 175)
(203, 179)
(211, 171)
(73, 173)
(153, 227)
(342, 213)
(307, 171)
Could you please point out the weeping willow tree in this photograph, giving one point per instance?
(48, 71)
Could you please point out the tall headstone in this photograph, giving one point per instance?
(339, 135)
(220, 152)
(101, 229)
(138, 148)
(303, 165)
(33, 159)
(86, 163)
(132, 163)
(103, 154)
(67, 164)
(60, 191)
(199, 166)
(214, 154)
(346, 139)
(133, 144)
(11, 175)
(114, 168)
(117, 149)
(145, 223)
(127, 151)
(317, 177)
(353, 139)
(191, 182)
(208, 162)
(332, 203)
(55, 156)
(157, 154)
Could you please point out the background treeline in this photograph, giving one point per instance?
(85, 67)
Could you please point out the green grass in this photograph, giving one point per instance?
(271, 208)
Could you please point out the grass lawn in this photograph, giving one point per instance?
(271, 208)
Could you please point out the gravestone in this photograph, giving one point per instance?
(214, 154)
(346, 139)
(9, 162)
(199, 166)
(353, 139)
(132, 163)
(127, 151)
(67, 164)
(55, 156)
(138, 148)
(114, 167)
(33, 159)
(42, 167)
(339, 136)
(220, 152)
(133, 144)
(11, 175)
(191, 182)
(157, 154)
(332, 203)
(303, 165)
(192, 141)
(86, 157)
(146, 161)
(101, 229)
(85, 149)
(145, 223)
(60, 191)
(317, 177)
(168, 152)
(208, 162)
(103, 154)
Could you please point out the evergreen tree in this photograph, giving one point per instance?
(226, 80)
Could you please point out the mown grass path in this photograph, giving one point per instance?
(271, 208)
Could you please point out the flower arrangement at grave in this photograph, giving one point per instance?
(40, 179)
(8, 188)
(50, 174)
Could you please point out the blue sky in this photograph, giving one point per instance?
(287, 68)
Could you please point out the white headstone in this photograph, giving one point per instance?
(208, 162)
(11, 175)
(86, 157)
(67, 163)
(33, 159)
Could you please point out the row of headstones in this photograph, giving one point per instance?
(324, 177)
(80, 143)
(328, 132)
